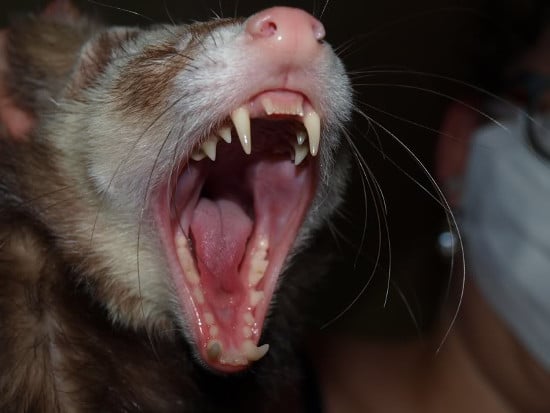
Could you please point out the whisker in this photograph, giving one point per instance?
(450, 217)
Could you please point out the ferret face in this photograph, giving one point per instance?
(201, 158)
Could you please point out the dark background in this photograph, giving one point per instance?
(396, 45)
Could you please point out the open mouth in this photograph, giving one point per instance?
(232, 219)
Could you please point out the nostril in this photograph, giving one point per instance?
(268, 28)
(284, 23)
(262, 25)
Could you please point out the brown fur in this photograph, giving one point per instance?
(81, 330)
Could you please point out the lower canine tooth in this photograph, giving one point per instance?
(252, 352)
(312, 122)
(241, 119)
(300, 154)
(301, 137)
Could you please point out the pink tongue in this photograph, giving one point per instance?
(220, 230)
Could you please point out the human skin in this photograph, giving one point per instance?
(480, 367)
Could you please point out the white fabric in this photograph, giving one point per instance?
(505, 220)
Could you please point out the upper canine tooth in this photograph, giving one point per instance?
(300, 153)
(312, 122)
(209, 147)
(241, 119)
(225, 133)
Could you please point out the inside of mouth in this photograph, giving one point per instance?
(233, 222)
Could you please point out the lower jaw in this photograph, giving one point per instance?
(232, 347)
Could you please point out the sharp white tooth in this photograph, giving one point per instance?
(256, 297)
(209, 147)
(214, 350)
(301, 137)
(198, 155)
(241, 119)
(252, 352)
(301, 152)
(312, 122)
(225, 133)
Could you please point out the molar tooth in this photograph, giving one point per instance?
(198, 155)
(312, 122)
(249, 318)
(214, 350)
(241, 119)
(225, 133)
(209, 147)
(199, 296)
(252, 352)
(256, 297)
(186, 260)
(301, 152)
(214, 331)
(209, 319)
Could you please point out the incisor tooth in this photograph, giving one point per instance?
(241, 119)
(301, 152)
(312, 122)
(209, 147)
(268, 106)
(225, 133)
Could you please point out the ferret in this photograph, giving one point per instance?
(156, 216)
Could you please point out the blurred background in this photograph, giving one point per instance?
(408, 60)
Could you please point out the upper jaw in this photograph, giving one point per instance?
(224, 310)
(269, 104)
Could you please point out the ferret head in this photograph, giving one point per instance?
(196, 161)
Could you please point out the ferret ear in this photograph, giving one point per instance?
(96, 55)
(62, 10)
(38, 55)
(15, 121)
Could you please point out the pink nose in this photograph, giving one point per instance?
(287, 30)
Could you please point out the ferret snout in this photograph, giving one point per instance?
(288, 33)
